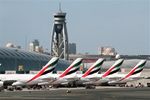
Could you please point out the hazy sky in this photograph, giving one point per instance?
(122, 24)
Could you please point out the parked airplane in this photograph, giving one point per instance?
(96, 79)
(27, 79)
(133, 75)
(95, 68)
(67, 76)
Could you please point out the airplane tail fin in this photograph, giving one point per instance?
(49, 67)
(72, 68)
(114, 68)
(136, 70)
(94, 68)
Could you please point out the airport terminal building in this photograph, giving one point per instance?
(20, 61)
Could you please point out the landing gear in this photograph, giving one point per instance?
(18, 88)
(1, 88)
(72, 84)
(10, 88)
(37, 87)
(56, 86)
(90, 87)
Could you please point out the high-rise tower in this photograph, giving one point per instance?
(59, 43)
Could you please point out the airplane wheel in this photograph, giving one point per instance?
(89, 87)
(72, 84)
(18, 88)
(55, 86)
(10, 88)
(1, 88)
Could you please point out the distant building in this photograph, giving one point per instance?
(39, 49)
(107, 51)
(31, 46)
(35, 47)
(72, 48)
(11, 45)
(36, 42)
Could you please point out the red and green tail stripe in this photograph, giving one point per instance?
(137, 69)
(115, 68)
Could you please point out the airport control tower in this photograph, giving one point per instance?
(59, 43)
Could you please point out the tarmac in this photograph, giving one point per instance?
(100, 93)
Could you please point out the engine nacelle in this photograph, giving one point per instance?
(43, 83)
(18, 84)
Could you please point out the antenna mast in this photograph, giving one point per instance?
(60, 7)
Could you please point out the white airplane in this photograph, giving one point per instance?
(133, 75)
(96, 79)
(94, 69)
(27, 79)
(64, 78)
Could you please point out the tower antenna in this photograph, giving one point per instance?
(60, 6)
